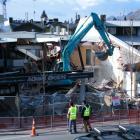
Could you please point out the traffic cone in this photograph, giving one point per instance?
(33, 129)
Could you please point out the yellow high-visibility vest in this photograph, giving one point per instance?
(73, 113)
(87, 111)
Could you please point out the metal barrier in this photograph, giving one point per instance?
(50, 111)
(120, 117)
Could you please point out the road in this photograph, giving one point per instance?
(42, 135)
(54, 133)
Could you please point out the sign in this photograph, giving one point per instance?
(39, 77)
(116, 101)
(53, 77)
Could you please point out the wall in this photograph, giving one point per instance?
(103, 70)
(138, 31)
(75, 56)
(110, 69)
(130, 83)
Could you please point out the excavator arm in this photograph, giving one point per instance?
(92, 20)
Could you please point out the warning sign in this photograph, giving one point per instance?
(116, 101)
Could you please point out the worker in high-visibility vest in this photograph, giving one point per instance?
(72, 116)
(86, 113)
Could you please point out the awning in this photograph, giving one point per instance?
(28, 53)
(7, 40)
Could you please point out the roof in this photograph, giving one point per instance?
(38, 37)
(123, 23)
(27, 26)
(44, 15)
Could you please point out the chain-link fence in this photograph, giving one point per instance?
(51, 110)
(37, 105)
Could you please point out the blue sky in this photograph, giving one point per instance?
(66, 9)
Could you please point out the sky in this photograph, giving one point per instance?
(67, 9)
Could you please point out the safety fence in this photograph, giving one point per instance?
(17, 112)
(50, 121)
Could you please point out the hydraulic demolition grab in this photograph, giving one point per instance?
(93, 20)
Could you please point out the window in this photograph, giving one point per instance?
(127, 31)
(112, 30)
(88, 57)
(138, 89)
(1, 53)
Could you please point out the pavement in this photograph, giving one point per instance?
(52, 133)
(43, 134)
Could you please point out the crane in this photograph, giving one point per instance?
(4, 8)
(78, 36)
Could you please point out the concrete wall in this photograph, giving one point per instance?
(130, 83)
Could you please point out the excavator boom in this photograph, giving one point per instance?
(92, 20)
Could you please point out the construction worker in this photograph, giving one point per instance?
(72, 117)
(86, 113)
(69, 105)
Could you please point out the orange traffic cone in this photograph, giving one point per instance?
(33, 129)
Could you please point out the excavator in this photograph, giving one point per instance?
(75, 39)
(64, 74)
(92, 20)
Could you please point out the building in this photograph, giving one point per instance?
(124, 53)
(29, 46)
(47, 25)
(126, 30)
(129, 32)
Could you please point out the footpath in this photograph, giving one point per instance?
(47, 130)
(55, 129)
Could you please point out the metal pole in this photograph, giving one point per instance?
(53, 112)
(82, 90)
(18, 106)
(119, 114)
(43, 77)
(102, 105)
(131, 57)
(43, 69)
(51, 122)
